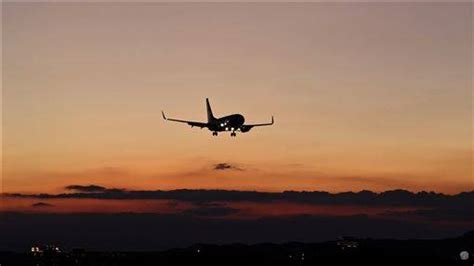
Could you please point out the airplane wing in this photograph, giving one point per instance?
(259, 125)
(191, 123)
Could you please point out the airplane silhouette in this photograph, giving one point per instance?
(231, 123)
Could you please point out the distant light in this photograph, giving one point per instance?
(198, 250)
(226, 129)
(464, 255)
(232, 129)
(222, 124)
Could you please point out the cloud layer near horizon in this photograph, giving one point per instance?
(367, 198)
(225, 216)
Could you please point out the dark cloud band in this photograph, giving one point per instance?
(363, 198)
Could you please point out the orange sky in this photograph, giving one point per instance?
(365, 96)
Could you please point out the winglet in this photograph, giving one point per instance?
(164, 117)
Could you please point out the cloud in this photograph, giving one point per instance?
(211, 211)
(209, 204)
(226, 166)
(429, 206)
(430, 215)
(92, 188)
(457, 206)
(173, 203)
(41, 205)
(365, 197)
(87, 188)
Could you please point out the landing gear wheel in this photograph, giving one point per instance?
(214, 133)
(233, 134)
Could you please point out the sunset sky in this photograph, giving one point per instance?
(365, 96)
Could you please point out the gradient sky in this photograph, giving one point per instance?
(365, 96)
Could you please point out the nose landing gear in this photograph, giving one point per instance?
(214, 133)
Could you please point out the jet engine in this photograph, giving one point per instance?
(245, 128)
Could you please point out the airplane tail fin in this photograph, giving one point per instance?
(210, 116)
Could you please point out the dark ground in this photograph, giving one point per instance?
(340, 252)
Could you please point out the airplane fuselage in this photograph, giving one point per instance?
(227, 123)
(230, 123)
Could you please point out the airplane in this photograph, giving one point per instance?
(230, 123)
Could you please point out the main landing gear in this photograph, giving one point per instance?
(232, 134)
